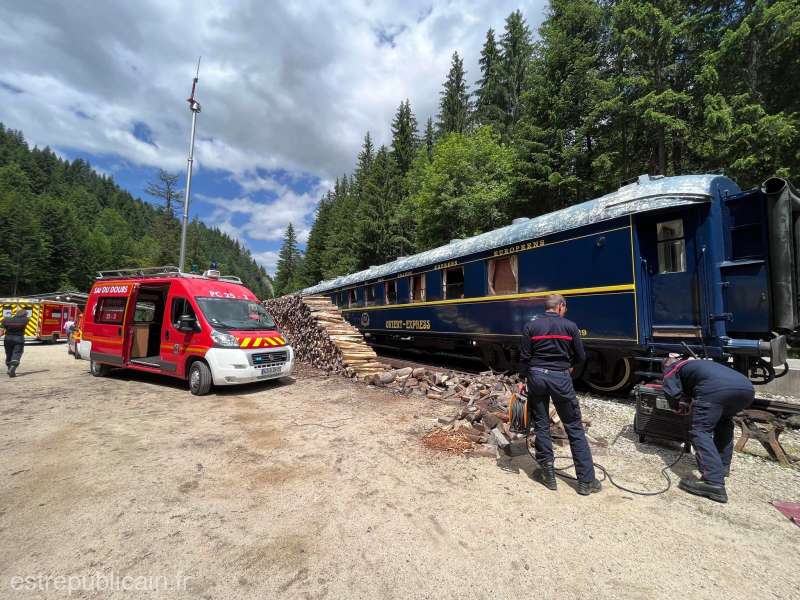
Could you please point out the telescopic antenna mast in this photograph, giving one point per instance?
(194, 107)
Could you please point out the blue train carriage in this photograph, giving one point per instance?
(661, 262)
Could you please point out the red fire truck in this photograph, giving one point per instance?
(46, 317)
(207, 329)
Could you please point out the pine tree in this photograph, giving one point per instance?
(340, 255)
(562, 115)
(289, 259)
(380, 197)
(454, 106)
(365, 158)
(404, 137)
(649, 40)
(516, 49)
(166, 189)
(313, 271)
(429, 138)
(489, 98)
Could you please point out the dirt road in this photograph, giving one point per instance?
(321, 488)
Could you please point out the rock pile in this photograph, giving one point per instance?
(321, 337)
(479, 423)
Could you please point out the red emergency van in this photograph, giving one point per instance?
(207, 329)
(46, 318)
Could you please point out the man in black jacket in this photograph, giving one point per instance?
(14, 340)
(716, 393)
(551, 349)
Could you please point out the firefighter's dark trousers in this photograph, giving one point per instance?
(544, 385)
(14, 346)
(712, 430)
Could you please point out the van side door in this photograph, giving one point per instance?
(107, 330)
(175, 342)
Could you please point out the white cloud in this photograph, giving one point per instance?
(288, 89)
(267, 259)
(283, 85)
(266, 220)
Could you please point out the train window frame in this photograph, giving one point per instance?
(671, 246)
(352, 297)
(390, 284)
(420, 277)
(448, 287)
(492, 269)
(370, 296)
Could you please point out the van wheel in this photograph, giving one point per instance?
(199, 379)
(98, 370)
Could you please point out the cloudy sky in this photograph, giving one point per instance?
(288, 90)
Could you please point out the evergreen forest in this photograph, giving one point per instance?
(61, 222)
(604, 91)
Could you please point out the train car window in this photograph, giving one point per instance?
(671, 247)
(390, 288)
(371, 298)
(453, 282)
(352, 297)
(503, 276)
(417, 288)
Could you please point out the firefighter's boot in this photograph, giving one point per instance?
(698, 487)
(589, 487)
(547, 475)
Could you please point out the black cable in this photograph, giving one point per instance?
(607, 475)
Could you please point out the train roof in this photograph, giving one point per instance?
(648, 193)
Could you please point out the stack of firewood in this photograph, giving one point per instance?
(322, 338)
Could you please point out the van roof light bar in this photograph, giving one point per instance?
(139, 272)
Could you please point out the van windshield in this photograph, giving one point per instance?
(243, 315)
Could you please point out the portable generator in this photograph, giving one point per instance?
(657, 417)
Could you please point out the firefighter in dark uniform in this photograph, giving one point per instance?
(716, 393)
(551, 349)
(14, 340)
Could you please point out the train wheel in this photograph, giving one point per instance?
(494, 357)
(609, 374)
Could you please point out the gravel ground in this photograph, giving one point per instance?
(755, 475)
(320, 487)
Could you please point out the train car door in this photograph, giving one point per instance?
(671, 265)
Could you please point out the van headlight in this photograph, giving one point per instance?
(226, 340)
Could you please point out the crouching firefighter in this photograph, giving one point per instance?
(551, 349)
(716, 393)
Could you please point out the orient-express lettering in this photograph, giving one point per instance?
(519, 248)
(417, 324)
